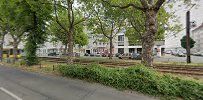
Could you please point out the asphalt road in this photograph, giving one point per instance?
(20, 85)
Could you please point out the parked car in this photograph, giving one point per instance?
(136, 56)
(180, 54)
(125, 56)
(86, 54)
(53, 54)
(117, 54)
(105, 55)
(77, 54)
(97, 54)
(92, 54)
(168, 52)
(198, 54)
(174, 53)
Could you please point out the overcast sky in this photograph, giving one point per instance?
(196, 15)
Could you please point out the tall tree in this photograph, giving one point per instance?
(72, 13)
(105, 20)
(60, 35)
(136, 28)
(39, 14)
(18, 23)
(4, 22)
(150, 9)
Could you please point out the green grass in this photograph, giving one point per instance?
(137, 78)
(116, 60)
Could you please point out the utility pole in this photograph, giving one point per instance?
(188, 36)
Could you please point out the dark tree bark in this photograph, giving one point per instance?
(1, 46)
(65, 49)
(15, 49)
(71, 19)
(148, 38)
(111, 47)
(70, 47)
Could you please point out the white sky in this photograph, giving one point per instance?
(196, 15)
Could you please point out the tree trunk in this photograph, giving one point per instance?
(65, 49)
(15, 50)
(1, 47)
(111, 48)
(70, 47)
(148, 38)
(71, 31)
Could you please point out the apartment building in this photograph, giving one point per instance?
(120, 45)
(95, 45)
(8, 48)
(197, 35)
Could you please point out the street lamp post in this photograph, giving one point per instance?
(188, 36)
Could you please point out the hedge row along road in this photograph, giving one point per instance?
(166, 68)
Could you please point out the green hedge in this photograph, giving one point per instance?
(138, 78)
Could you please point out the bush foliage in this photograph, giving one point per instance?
(138, 78)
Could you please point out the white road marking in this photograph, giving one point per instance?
(9, 93)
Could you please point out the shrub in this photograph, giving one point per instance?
(138, 78)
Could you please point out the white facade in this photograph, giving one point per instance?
(8, 42)
(96, 46)
(123, 46)
(197, 35)
(120, 44)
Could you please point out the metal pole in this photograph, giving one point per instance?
(188, 36)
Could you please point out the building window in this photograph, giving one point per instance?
(121, 50)
(131, 50)
(121, 38)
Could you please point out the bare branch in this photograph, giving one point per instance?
(158, 4)
(101, 25)
(151, 2)
(80, 21)
(136, 29)
(124, 7)
(112, 28)
(119, 28)
(57, 20)
(144, 3)
(55, 4)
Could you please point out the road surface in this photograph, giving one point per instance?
(20, 85)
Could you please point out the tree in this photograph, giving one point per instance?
(18, 23)
(150, 9)
(3, 32)
(60, 35)
(72, 14)
(4, 22)
(38, 14)
(135, 28)
(107, 21)
(2, 35)
(184, 42)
